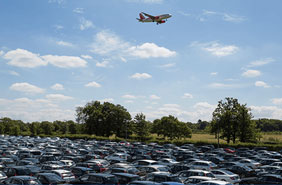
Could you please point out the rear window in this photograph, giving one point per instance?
(112, 179)
(33, 182)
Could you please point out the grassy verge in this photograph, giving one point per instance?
(197, 139)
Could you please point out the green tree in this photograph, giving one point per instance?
(141, 126)
(47, 127)
(104, 119)
(170, 127)
(231, 121)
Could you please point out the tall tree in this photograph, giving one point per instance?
(171, 127)
(104, 119)
(232, 120)
(141, 126)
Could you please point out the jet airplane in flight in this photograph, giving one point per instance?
(150, 18)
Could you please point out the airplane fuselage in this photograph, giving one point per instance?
(158, 19)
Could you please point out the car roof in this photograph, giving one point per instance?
(101, 174)
(126, 174)
(23, 177)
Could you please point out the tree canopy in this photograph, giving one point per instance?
(232, 120)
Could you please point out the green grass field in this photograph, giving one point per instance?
(266, 137)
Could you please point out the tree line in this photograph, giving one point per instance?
(231, 121)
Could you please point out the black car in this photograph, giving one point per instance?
(125, 178)
(49, 178)
(242, 170)
(162, 177)
(96, 178)
(78, 171)
(17, 170)
(20, 180)
(98, 165)
(265, 179)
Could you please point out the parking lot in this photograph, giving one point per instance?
(35, 160)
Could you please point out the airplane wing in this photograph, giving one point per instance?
(151, 16)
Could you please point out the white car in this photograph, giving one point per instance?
(183, 175)
(250, 163)
(277, 164)
(214, 182)
(64, 174)
(226, 175)
(202, 165)
(167, 161)
(68, 163)
(197, 179)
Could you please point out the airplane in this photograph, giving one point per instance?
(150, 18)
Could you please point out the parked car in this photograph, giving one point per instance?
(226, 175)
(78, 171)
(50, 178)
(197, 179)
(162, 177)
(96, 178)
(22, 180)
(64, 174)
(125, 178)
(202, 165)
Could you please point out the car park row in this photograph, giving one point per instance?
(35, 160)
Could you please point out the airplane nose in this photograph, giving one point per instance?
(169, 15)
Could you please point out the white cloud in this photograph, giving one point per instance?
(146, 1)
(261, 84)
(29, 110)
(63, 43)
(148, 50)
(206, 14)
(220, 50)
(58, 97)
(222, 85)
(93, 84)
(213, 73)
(201, 110)
(129, 96)
(106, 43)
(277, 101)
(65, 61)
(26, 88)
(261, 62)
(1, 53)
(103, 64)
(57, 86)
(107, 100)
(168, 65)
(85, 24)
(154, 97)
(271, 112)
(141, 76)
(86, 56)
(58, 27)
(79, 10)
(57, 1)
(14, 73)
(251, 73)
(187, 95)
(233, 18)
(24, 58)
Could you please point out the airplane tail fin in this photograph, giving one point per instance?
(141, 16)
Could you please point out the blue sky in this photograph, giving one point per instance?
(56, 55)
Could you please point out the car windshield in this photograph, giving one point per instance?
(54, 178)
(228, 172)
(163, 169)
(112, 180)
(33, 182)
